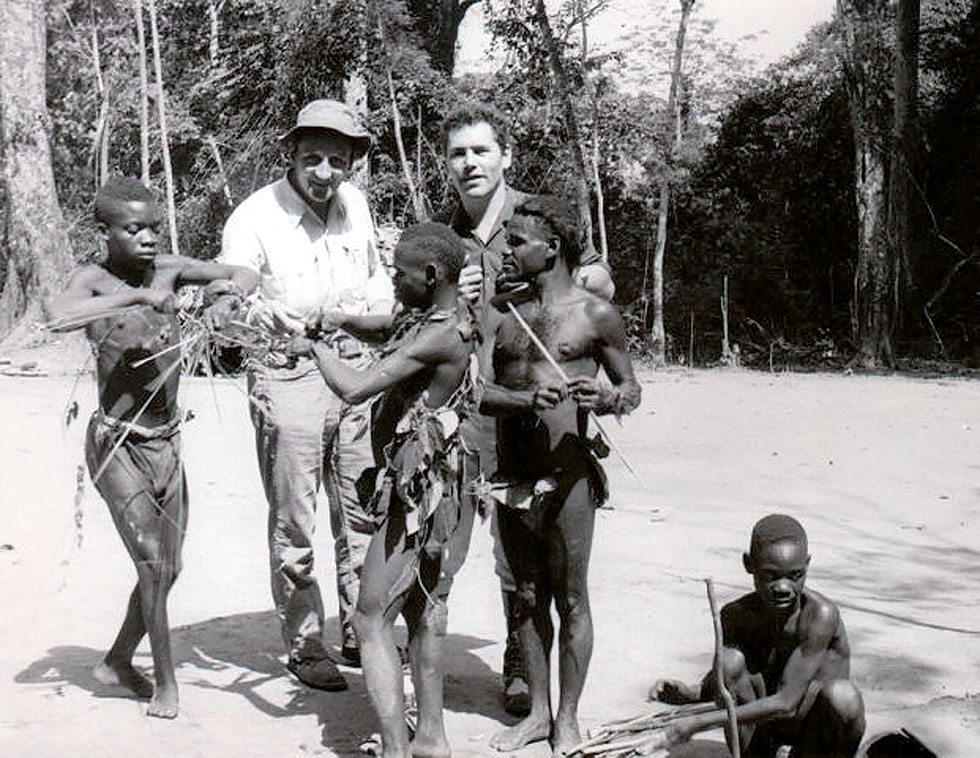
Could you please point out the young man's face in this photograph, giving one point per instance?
(531, 248)
(411, 277)
(779, 571)
(321, 161)
(131, 230)
(476, 160)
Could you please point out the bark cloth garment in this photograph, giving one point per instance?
(421, 451)
(146, 464)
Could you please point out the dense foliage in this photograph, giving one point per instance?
(763, 189)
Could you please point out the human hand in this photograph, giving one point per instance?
(300, 345)
(547, 397)
(275, 317)
(160, 300)
(587, 392)
(471, 282)
(324, 320)
(219, 313)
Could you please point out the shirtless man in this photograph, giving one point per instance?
(786, 659)
(548, 483)
(478, 149)
(423, 377)
(133, 442)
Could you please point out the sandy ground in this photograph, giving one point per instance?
(883, 472)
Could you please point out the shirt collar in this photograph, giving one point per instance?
(463, 225)
(296, 208)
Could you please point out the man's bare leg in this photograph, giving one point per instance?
(427, 633)
(835, 723)
(117, 666)
(744, 686)
(374, 622)
(569, 549)
(534, 630)
(155, 580)
(153, 534)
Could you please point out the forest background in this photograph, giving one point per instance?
(821, 213)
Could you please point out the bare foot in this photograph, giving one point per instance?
(673, 692)
(531, 729)
(566, 736)
(422, 747)
(164, 703)
(125, 675)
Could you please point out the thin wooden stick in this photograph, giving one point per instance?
(144, 98)
(564, 377)
(726, 696)
(165, 145)
(67, 325)
(177, 346)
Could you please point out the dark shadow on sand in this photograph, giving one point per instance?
(250, 643)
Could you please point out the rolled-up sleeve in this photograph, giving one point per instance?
(240, 243)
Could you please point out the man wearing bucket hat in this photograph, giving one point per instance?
(311, 237)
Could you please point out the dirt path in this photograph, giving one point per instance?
(883, 472)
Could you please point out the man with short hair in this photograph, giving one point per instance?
(478, 154)
(786, 659)
(547, 350)
(311, 237)
(424, 386)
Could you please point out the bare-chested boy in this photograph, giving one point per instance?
(548, 481)
(786, 659)
(132, 443)
(424, 373)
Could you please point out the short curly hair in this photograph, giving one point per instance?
(439, 241)
(475, 113)
(561, 217)
(120, 189)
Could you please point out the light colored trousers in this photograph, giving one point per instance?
(305, 437)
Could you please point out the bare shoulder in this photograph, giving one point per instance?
(93, 278)
(601, 312)
(819, 613)
(439, 342)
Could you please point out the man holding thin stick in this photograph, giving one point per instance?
(132, 446)
(546, 353)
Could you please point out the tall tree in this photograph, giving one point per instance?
(657, 335)
(438, 21)
(571, 123)
(34, 254)
(867, 66)
(904, 137)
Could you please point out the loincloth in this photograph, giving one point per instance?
(533, 497)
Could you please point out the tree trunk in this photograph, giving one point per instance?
(904, 136)
(144, 94)
(168, 173)
(874, 311)
(356, 88)
(584, 201)
(657, 334)
(600, 202)
(438, 22)
(34, 256)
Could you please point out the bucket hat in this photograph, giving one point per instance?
(334, 116)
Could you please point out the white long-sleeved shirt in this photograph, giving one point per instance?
(305, 263)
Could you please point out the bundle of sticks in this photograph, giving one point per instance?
(646, 735)
(650, 734)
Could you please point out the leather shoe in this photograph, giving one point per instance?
(319, 673)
